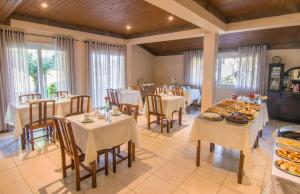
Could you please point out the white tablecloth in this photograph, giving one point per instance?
(131, 97)
(169, 104)
(229, 135)
(18, 115)
(191, 94)
(100, 135)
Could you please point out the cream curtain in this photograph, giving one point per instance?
(14, 75)
(252, 70)
(65, 64)
(106, 69)
(193, 66)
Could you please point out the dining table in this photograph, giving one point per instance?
(191, 95)
(17, 115)
(101, 134)
(129, 96)
(234, 136)
(170, 103)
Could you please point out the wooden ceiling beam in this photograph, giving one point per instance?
(7, 8)
(167, 36)
(192, 12)
(264, 23)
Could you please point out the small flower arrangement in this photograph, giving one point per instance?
(107, 104)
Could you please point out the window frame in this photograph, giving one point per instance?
(231, 54)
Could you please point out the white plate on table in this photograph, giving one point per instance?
(85, 121)
(116, 113)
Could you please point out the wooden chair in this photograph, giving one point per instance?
(155, 108)
(113, 98)
(130, 109)
(178, 92)
(160, 90)
(68, 147)
(82, 104)
(135, 88)
(61, 93)
(27, 97)
(44, 120)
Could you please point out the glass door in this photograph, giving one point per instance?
(42, 69)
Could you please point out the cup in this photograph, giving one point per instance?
(87, 116)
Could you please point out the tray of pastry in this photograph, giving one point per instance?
(211, 116)
(290, 155)
(237, 118)
(289, 167)
(287, 143)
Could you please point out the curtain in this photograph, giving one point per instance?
(106, 69)
(193, 66)
(65, 64)
(14, 74)
(252, 72)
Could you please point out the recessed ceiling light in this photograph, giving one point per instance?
(170, 18)
(44, 5)
(128, 27)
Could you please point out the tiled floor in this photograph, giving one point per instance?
(165, 163)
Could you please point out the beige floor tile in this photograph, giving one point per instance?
(249, 186)
(26, 157)
(212, 173)
(154, 185)
(165, 152)
(40, 173)
(108, 185)
(150, 164)
(131, 177)
(225, 190)
(179, 191)
(197, 184)
(173, 174)
(10, 176)
(18, 187)
(6, 164)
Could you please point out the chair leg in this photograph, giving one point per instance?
(157, 120)
(106, 161)
(148, 121)
(161, 124)
(133, 151)
(72, 164)
(93, 172)
(168, 126)
(77, 175)
(114, 160)
(129, 153)
(23, 139)
(63, 164)
(31, 139)
(180, 116)
(119, 149)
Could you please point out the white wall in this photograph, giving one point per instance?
(142, 65)
(167, 67)
(290, 57)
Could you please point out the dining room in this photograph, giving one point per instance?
(149, 96)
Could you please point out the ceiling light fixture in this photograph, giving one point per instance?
(44, 5)
(170, 18)
(128, 27)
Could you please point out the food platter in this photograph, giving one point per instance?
(290, 155)
(288, 167)
(211, 116)
(288, 143)
(238, 118)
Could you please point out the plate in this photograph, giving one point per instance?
(115, 113)
(202, 116)
(87, 121)
(286, 171)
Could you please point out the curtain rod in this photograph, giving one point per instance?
(43, 35)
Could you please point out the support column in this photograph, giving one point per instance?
(128, 76)
(210, 51)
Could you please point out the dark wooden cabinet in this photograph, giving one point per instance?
(273, 104)
(290, 106)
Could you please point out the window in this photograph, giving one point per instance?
(227, 68)
(42, 69)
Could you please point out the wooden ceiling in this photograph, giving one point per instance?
(238, 10)
(279, 38)
(103, 16)
(7, 7)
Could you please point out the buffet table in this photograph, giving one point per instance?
(240, 137)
